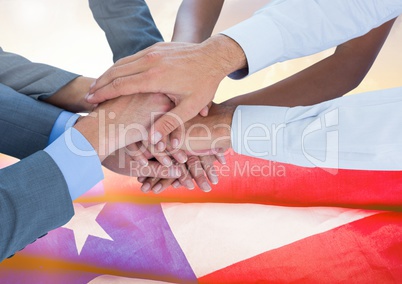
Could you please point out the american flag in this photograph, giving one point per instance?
(289, 224)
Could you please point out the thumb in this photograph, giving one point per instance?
(173, 119)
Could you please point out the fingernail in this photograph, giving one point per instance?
(189, 184)
(176, 184)
(157, 188)
(144, 162)
(167, 161)
(221, 159)
(181, 158)
(141, 179)
(175, 143)
(92, 85)
(175, 173)
(89, 96)
(160, 146)
(156, 137)
(145, 187)
(214, 179)
(206, 187)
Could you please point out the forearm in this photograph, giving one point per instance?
(290, 29)
(333, 134)
(325, 80)
(33, 200)
(196, 20)
(36, 80)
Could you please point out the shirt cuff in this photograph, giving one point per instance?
(77, 160)
(64, 121)
(260, 39)
(258, 131)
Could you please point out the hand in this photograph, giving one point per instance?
(71, 97)
(134, 160)
(206, 135)
(197, 168)
(122, 163)
(121, 122)
(188, 74)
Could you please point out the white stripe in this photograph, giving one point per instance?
(214, 236)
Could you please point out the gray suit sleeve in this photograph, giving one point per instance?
(128, 25)
(33, 79)
(25, 124)
(34, 199)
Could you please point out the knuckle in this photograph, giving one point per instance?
(152, 56)
(113, 73)
(117, 83)
(168, 125)
(120, 61)
(192, 160)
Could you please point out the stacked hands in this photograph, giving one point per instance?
(118, 129)
(171, 132)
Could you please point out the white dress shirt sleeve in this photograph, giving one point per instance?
(353, 132)
(287, 29)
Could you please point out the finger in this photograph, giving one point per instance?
(161, 145)
(126, 66)
(141, 179)
(162, 185)
(136, 154)
(177, 137)
(209, 168)
(146, 152)
(148, 184)
(185, 179)
(116, 87)
(197, 172)
(186, 110)
(163, 158)
(220, 156)
(176, 184)
(204, 112)
(154, 169)
(179, 155)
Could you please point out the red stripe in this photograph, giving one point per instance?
(365, 251)
(298, 187)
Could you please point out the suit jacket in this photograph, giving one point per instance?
(34, 197)
(128, 25)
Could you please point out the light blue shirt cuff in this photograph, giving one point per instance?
(64, 121)
(77, 160)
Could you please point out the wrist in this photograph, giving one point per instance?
(223, 129)
(226, 52)
(88, 126)
(72, 96)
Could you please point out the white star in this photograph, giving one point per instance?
(84, 224)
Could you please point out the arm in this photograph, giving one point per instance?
(71, 96)
(36, 193)
(34, 199)
(280, 31)
(196, 20)
(284, 30)
(25, 124)
(44, 82)
(325, 80)
(353, 132)
(128, 25)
